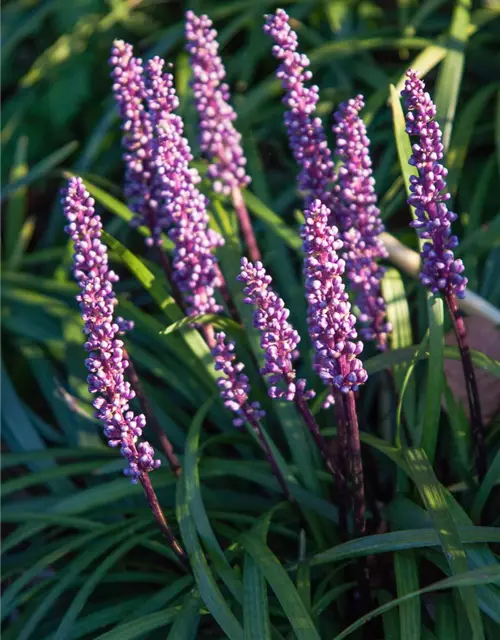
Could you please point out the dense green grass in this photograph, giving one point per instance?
(82, 558)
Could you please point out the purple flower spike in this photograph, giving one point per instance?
(220, 141)
(331, 324)
(279, 339)
(440, 271)
(305, 132)
(234, 387)
(358, 219)
(194, 266)
(107, 361)
(128, 89)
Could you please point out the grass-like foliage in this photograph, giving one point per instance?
(250, 310)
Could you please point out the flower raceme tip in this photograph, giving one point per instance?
(440, 270)
(331, 324)
(219, 139)
(279, 339)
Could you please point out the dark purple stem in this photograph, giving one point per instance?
(312, 425)
(471, 386)
(269, 455)
(341, 457)
(245, 225)
(147, 410)
(161, 520)
(355, 462)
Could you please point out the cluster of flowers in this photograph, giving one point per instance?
(159, 179)
(107, 361)
(341, 234)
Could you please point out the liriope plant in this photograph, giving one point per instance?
(341, 245)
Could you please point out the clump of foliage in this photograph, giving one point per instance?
(318, 484)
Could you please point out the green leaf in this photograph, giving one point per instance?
(406, 571)
(491, 479)
(20, 434)
(41, 169)
(435, 375)
(486, 575)
(400, 541)
(450, 73)
(218, 322)
(209, 591)
(15, 210)
(187, 620)
(30, 23)
(255, 602)
(351, 46)
(74, 570)
(445, 617)
(434, 498)
(273, 221)
(197, 508)
(462, 136)
(66, 625)
(138, 628)
(398, 314)
(12, 591)
(282, 586)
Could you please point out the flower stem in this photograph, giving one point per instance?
(245, 225)
(161, 520)
(152, 420)
(350, 449)
(341, 455)
(471, 386)
(312, 425)
(355, 462)
(270, 457)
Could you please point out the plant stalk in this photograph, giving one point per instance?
(312, 425)
(152, 420)
(341, 455)
(270, 458)
(159, 516)
(470, 385)
(355, 462)
(245, 225)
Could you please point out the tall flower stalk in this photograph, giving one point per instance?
(235, 389)
(107, 361)
(219, 139)
(279, 341)
(440, 272)
(358, 219)
(332, 331)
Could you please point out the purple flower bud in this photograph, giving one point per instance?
(358, 219)
(440, 271)
(220, 141)
(331, 324)
(234, 388)
(305, 131)
(279, 339)
(106, 361)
